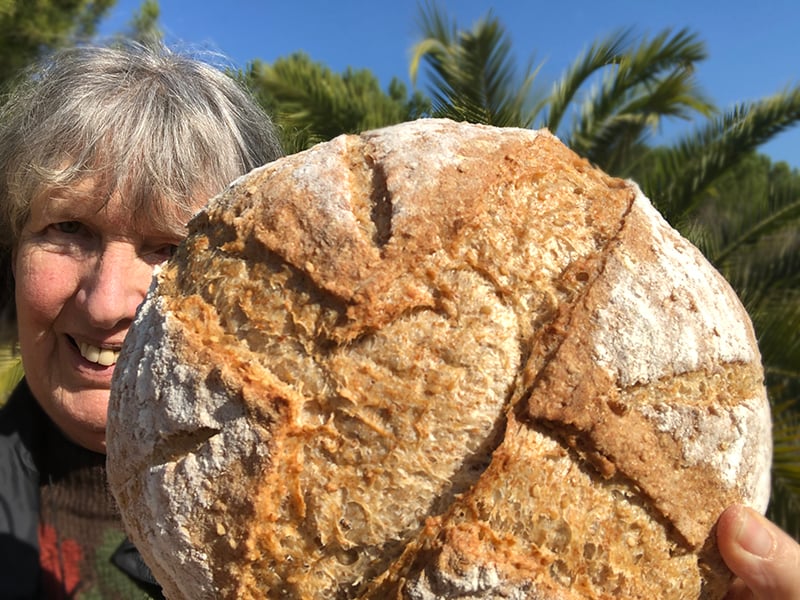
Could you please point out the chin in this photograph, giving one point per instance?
(83, 420)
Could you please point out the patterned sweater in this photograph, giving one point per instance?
(83, 553)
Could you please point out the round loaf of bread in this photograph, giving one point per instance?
(436, 360)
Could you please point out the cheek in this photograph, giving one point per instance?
(44, 283)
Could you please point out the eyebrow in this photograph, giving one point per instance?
(58, 205)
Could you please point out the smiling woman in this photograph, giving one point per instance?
(104, 155)
(82, 268)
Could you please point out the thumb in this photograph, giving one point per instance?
(765, 558)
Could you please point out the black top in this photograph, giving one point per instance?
(26, 438)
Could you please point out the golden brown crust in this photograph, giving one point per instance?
(436, 360)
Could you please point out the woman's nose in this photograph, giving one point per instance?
(114, 285)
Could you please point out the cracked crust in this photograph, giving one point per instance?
(436, 360)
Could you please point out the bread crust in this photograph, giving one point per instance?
(436, 360)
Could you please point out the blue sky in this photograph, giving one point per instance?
(753, 47)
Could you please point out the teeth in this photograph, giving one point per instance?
(101, 356)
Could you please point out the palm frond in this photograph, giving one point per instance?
(648, 82)
(438, 35)
(778, 221)
(472, 73)
(311, 103)
(682, 174)
(784, 506)
(748, 218)
(599, 55)
(776, 319)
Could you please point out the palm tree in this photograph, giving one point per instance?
(618, 93)
(635, 84)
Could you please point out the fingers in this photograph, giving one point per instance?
(766, 559)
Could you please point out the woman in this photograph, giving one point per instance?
(105, 153)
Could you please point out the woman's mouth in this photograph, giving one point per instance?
(102, 356)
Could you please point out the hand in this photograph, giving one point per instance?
(765, 559)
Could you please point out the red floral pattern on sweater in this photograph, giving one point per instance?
(60, 561)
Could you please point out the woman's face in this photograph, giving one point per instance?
(81, 270)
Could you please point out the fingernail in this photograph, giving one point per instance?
(753, 536)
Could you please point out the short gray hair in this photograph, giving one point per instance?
(159, 126)
(165, 129)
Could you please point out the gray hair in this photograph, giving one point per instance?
(164, 129)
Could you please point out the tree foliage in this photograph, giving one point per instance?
(679, 176)
(310, 103)
(144, 26)
(30, 27)
(642, 82)
(473, 75)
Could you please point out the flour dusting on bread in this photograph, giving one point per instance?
(436, 360)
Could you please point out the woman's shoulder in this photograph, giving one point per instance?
(19, 493)
(20, 424)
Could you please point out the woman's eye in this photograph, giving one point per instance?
(163, 253)
(68, 227)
